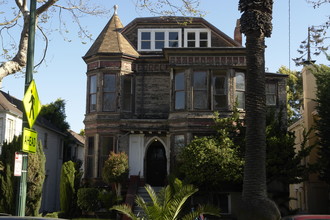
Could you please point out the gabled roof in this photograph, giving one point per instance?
(111, 41)
(9, 104)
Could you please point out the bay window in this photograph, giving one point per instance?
(127, 94)
(271, 94)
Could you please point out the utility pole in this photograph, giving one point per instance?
(20, 208)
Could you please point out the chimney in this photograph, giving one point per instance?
(237, 32)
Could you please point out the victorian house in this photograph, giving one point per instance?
(155, 83)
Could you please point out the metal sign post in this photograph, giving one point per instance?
(20, 209)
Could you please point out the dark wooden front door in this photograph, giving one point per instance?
(156, 164)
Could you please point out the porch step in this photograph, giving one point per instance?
(144, 194)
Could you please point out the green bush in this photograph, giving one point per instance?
(88, 199)
(107, 199)
(67, 190)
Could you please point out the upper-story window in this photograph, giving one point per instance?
(240, 89)
(219, 90)
(271, 94)
(157, 39)
(127, 93)
(92, 93)
(109, 92)
(200, 89)
(197, 38)
(179, 90)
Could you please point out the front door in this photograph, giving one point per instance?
(156, 164)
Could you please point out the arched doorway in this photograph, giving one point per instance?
(156, 164)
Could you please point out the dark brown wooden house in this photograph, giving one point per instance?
(154, 84)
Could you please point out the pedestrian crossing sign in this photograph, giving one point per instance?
(31, 103)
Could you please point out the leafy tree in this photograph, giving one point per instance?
(8, 183)
(322, 75)
(67, 190)
(115, 170)
(210, 161)
(55, 113)
(35, 181)
(256, 24)
(14, 18)
(294, 91)
(168, 204)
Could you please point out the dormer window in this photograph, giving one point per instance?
(157, 39)
(197, 37)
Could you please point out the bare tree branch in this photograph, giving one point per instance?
(12, 21)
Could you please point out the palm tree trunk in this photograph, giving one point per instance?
(256, 25)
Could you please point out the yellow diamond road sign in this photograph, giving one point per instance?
(31, 103)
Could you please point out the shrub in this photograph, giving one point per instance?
(88, 199)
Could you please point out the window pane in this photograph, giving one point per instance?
(203, 44)
(179, 100)
(92, 84)
(200, 100)
(240, 96)
(146, 45)
(191, 35)
(270, 88)
(92, 102)
(159, 36)
(109, 103)
(270, 100)
(145, 36)
(203, 35)
(219, 85)
(220, 101)
(90, 146)
(109, 83)
(127, 102)
(173, 36)
(240, 81)
(200, 80)
(179, 81)
(173, 44)
(191, 44)
(159, 44)
(106, 146)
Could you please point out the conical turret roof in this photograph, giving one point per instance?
(111, 41)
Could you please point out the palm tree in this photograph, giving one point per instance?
(256, 24)
(168, 204)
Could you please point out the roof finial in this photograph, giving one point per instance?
(115, 7)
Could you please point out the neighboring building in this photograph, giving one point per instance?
(52, 140)
(11, 119)
(311, 196)
(154, 84)
(76, 148)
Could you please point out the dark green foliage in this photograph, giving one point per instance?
(88, 199)
(107, 199)
(35, 180)
(322, 74)
(55, 113)
(67, 189)
(283, 163)
(210, 161)
(8, 183)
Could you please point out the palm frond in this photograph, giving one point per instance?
(126, 210)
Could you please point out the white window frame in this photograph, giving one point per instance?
(197, 32)
(153, 40)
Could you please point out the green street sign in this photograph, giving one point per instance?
(31, 103)
(30, 138)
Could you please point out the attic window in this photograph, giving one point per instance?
(197, 37)
(157, 39)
